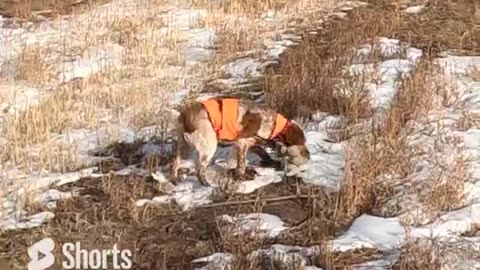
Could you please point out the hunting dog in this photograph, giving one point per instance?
(202, 124)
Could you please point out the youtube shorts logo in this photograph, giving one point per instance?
(76, 257)
(44, 247)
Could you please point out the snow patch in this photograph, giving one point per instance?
(414, 9)
(451, 224)
(367, 231)
(257, 224)
(286, 257)
(215, 261)
(36, 220)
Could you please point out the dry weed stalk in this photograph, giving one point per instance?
(37, 123)
(234, 39)
(342, 260)
(23, 9)
(250, 8)
(446, 193)
(385, 151)
(468, 120)
(33, 68)
(420, 254)
(92, 102)
(474, 73)
(312, 77)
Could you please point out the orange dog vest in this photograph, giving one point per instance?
(223, 114)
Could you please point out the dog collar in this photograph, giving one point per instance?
(280, 126)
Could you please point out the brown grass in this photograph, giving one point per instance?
(447, 191)
(299, 87)
(30, 9)
(94, 102)
(310, 78)
(474, 73)
(423, 254)
(344, 260)
(33, 68)
(243, 7)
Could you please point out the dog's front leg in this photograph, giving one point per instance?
(281, 150)
(242, 146)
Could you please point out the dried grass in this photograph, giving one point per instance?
(33, 68)
(474, 73)
(247, 8)
(419, 254)
(446, 192)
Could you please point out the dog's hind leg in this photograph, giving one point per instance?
(242, 147)
(181, 148)
(205, 142)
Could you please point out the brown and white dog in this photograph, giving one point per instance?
(203, 124)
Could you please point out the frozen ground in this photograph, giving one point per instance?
(408, 218)
(411, 219)
(97, 51)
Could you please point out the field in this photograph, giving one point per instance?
(387, 93)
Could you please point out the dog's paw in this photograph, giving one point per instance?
(219, 195)
(250, 173)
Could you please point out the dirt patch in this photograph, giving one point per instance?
(26, 9)
(160, 237)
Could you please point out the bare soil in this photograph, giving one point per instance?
(161, 237)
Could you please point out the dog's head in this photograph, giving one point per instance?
(294, 141)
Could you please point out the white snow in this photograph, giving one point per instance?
(52, 195)
(371, 232)
(380, 264)
(97, 59)
(327, 158)
(258, 224)
(451, 224)
(286, 257)
(414, 9)
(326, 164)
(12, 223)
(215, 261)
(265, 177)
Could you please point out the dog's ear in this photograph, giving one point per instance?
(294, 135)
